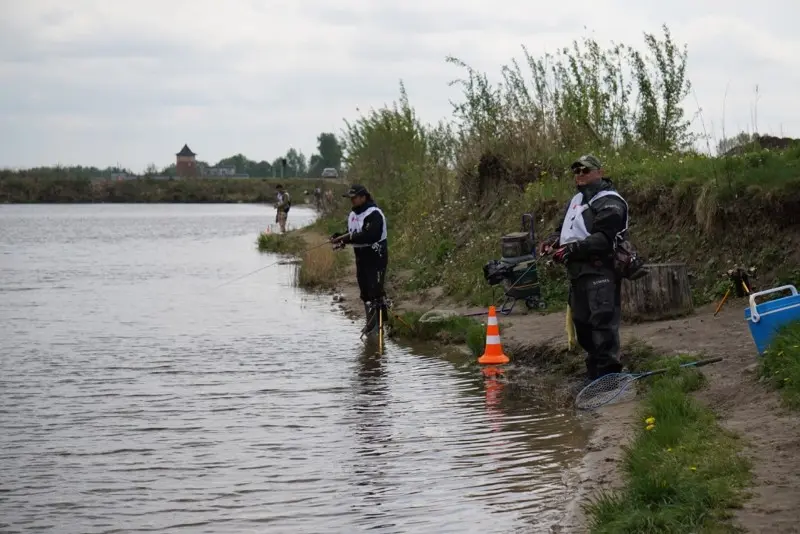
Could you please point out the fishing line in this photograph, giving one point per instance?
(267, 266)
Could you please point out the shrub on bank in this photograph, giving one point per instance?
(320, 268)
(780, 364)
(682, 472)
(280, 243)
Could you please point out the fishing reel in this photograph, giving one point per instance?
(337, 245)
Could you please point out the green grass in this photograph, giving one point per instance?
(682, 472)
(280, 243)
(453, 330)
(780, 364)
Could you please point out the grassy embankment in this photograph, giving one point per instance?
(780, 365)
(682, 472)
(30, 188)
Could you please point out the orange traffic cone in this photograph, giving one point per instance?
(493, 353)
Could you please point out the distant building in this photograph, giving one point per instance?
(186, 164)
(220, 170)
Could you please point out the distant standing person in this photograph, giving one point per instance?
(595, 219)
(318, 198)
(367, 232)
(282, 207)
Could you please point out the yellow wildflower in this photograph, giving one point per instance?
(669, 449)
(649, 427)
(650, 420)
(693, 468)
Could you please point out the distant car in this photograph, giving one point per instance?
(330, 172)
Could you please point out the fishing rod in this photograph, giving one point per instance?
(268, 266)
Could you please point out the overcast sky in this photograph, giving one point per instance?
(100, 82)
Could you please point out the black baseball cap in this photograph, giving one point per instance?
(356, 190)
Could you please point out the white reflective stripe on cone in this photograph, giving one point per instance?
(492, 321)
(492, 340)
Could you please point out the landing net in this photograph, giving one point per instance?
(609, 389)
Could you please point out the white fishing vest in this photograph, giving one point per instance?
(355, 223)
(574, 227)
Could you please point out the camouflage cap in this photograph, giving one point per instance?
(587, 161)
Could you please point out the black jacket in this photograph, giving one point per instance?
(604, 220)
(370, 234)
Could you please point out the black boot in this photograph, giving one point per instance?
(371, 315)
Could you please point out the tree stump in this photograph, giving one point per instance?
(664, 293)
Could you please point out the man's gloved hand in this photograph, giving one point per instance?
(562, 253)
(546, 247)
(339, 240)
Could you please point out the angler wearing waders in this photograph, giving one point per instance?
(367, 233)
(282, 207)
(594, 221)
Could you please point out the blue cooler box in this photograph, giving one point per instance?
(765, 319)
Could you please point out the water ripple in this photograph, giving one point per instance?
(134, 400)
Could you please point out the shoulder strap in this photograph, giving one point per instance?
(620, 236)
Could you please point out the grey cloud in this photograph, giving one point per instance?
(395, 50)
(136, 95)
(385, 18)
(734, 58)
(21, 46)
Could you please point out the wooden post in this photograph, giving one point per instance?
(664, 293)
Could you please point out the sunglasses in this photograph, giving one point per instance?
(582, 170)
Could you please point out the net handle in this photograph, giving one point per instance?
(699, 363)
(581, 403)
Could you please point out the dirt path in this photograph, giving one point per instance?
(771, 434)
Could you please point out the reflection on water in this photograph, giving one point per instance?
(133, 398)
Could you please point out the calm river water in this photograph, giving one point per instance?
(134, 397)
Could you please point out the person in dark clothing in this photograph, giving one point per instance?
(594, 222)
(282, 207)
(367, 233)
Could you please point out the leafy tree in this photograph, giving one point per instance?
(330, 154)
(740, 140)
(296, 165)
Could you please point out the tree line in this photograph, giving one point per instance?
(330, 153)
(23, 190)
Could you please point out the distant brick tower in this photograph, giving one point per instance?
(186, 165)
